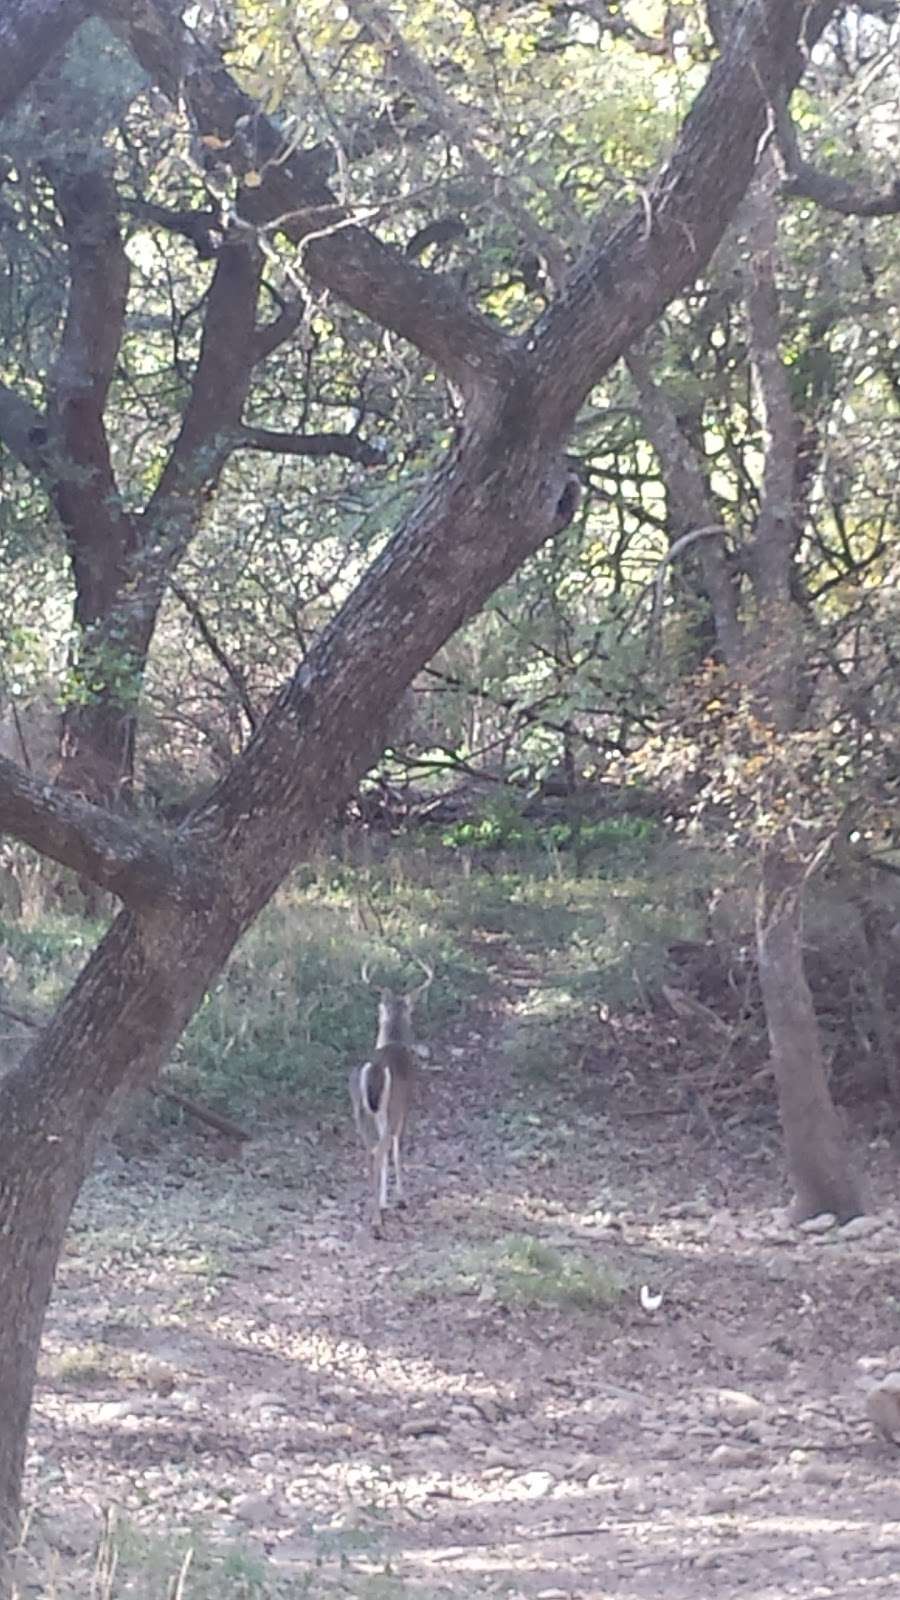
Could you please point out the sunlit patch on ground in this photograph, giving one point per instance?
(477, 1404)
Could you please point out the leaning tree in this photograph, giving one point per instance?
(505, 486)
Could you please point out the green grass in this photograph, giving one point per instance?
(40, 955)
(290, 1013)
(521, 1270)
(504, 828)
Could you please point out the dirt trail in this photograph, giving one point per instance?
(229, 1350)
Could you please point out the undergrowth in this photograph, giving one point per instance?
(290, 1012)
(134, 1563)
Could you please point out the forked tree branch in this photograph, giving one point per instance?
(456, 123)
(800, 177)
(139, 862)
(617, 290)
(204, 227)
(338, 254)
(441, 565)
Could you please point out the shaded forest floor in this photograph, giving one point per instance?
(478, 1404)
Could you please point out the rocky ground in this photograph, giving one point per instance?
(244, 1394)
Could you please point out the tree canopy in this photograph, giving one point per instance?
(321, 324)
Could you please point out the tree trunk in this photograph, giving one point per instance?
(503, 491)
(35, 1202)
(111, 1033)
(815, 1144)
(97, 736)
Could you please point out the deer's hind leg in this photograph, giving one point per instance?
(379, 1182)
(398, 1164)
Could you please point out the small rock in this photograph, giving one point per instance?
(883, 1406)
(736, 1406)
(415, 1427)
(820, 1224)
(822, 1472)
(117, 1410)
(161, 1380)
(254, 1509)
(535, 1484)
(734, 1455)
(687, 1209)
(860, 1227)
(669, 1447)
(261, 1400)
(721, 1500)
(707, 1559)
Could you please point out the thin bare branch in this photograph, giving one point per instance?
(618, 24)
(457, 123)
(713, 530)
(233, 672)
(347, 445)
(620, 286)
(800, 177)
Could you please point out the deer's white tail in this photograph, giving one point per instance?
(379, 1109)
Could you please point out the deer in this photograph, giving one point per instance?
(383, 1088)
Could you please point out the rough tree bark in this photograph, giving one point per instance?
(503, 491)
(32, 32)
(814, 1137)
(817, 1151)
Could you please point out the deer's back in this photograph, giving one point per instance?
(401, 1060)
(390, 1062)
